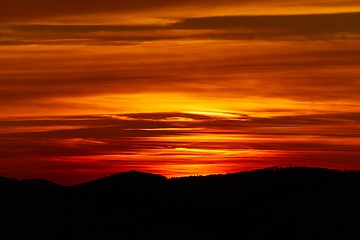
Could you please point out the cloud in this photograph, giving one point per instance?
(18, 10)
(199, 86)
(278, 27)
(188, 75)
(149, 129)
(168, 142)
(271, 27)
(59, 62)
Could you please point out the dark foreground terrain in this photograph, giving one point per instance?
(291, 203)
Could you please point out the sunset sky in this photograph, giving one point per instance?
(91, 88)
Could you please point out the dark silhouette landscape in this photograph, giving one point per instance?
(293, 203)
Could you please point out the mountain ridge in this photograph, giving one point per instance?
(270, 202)
(137, 175)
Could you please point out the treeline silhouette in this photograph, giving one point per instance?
(293, 203)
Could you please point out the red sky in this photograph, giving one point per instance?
(90, 88)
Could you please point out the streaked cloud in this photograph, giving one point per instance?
(177, 87)
(140, 140)
(270, 27)
(25, 10)
(181, 76)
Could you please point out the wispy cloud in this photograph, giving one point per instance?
(20, 10)
(271, 27)
(177, 87)
(139, 140)
(100, 79)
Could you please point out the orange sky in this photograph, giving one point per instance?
(89, 88)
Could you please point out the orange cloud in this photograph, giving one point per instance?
(38, 10)
(152, 142)
(270, 27)
(177, 87)
(184, 76)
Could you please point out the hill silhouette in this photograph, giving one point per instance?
(129, 181)
(274, 202)
(9, 187)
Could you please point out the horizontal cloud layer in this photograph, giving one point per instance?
(177, 87)
(19, 10)
(186, 76)
(315, 26)
(98, 142)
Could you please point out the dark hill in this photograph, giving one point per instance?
(132, 180)
(37, 185)
(293, 203)
(7, 182)
(10, 187)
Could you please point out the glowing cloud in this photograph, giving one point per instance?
(177, 87)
